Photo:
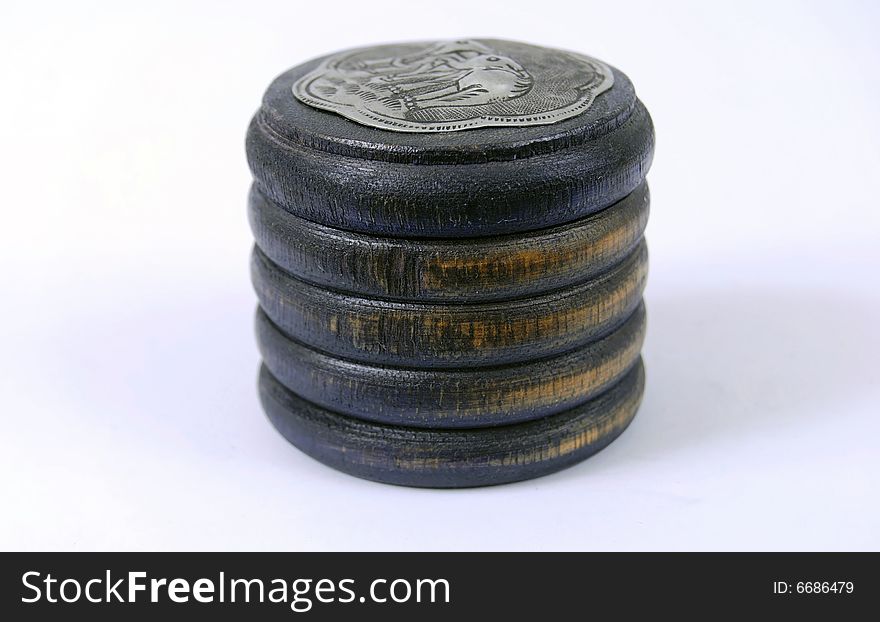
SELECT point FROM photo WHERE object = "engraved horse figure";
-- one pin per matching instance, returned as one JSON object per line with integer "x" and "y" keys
{"x": 450, "y": 74}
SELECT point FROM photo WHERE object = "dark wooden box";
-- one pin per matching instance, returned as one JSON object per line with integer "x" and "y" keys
{"x": 449, "y": 258}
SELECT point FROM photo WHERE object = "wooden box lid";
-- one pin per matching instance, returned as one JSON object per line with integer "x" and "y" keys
{"x": 461, "y": 138}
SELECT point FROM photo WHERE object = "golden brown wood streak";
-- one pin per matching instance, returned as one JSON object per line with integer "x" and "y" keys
{"x": 450, "y": 335}
{"x": 453, "y": 458}
{"x": 455, "y": 270}
{"x": 462, "y": 397}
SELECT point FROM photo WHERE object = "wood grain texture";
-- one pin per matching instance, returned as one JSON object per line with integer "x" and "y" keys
{"x": 453, "y": 458}
{"x": 445, "y": 334}
{"x": 453, "y": 200}
{"x": 448, "y": 398}
{"x": 469, "y": 270}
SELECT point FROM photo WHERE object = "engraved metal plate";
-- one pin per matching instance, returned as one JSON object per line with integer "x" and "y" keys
{"x": 454, "y": 85}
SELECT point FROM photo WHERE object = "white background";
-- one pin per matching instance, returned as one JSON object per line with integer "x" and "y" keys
{"x": 127, "y": 359}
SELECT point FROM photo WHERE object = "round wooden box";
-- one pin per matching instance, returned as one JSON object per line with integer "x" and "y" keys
{"x": 449, "y": 258}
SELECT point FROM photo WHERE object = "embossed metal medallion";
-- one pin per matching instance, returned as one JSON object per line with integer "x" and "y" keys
{"x": 455, "y": 85}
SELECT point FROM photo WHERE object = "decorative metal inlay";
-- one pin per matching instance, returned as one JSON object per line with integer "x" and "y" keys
{"x": 454, "y": 85}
